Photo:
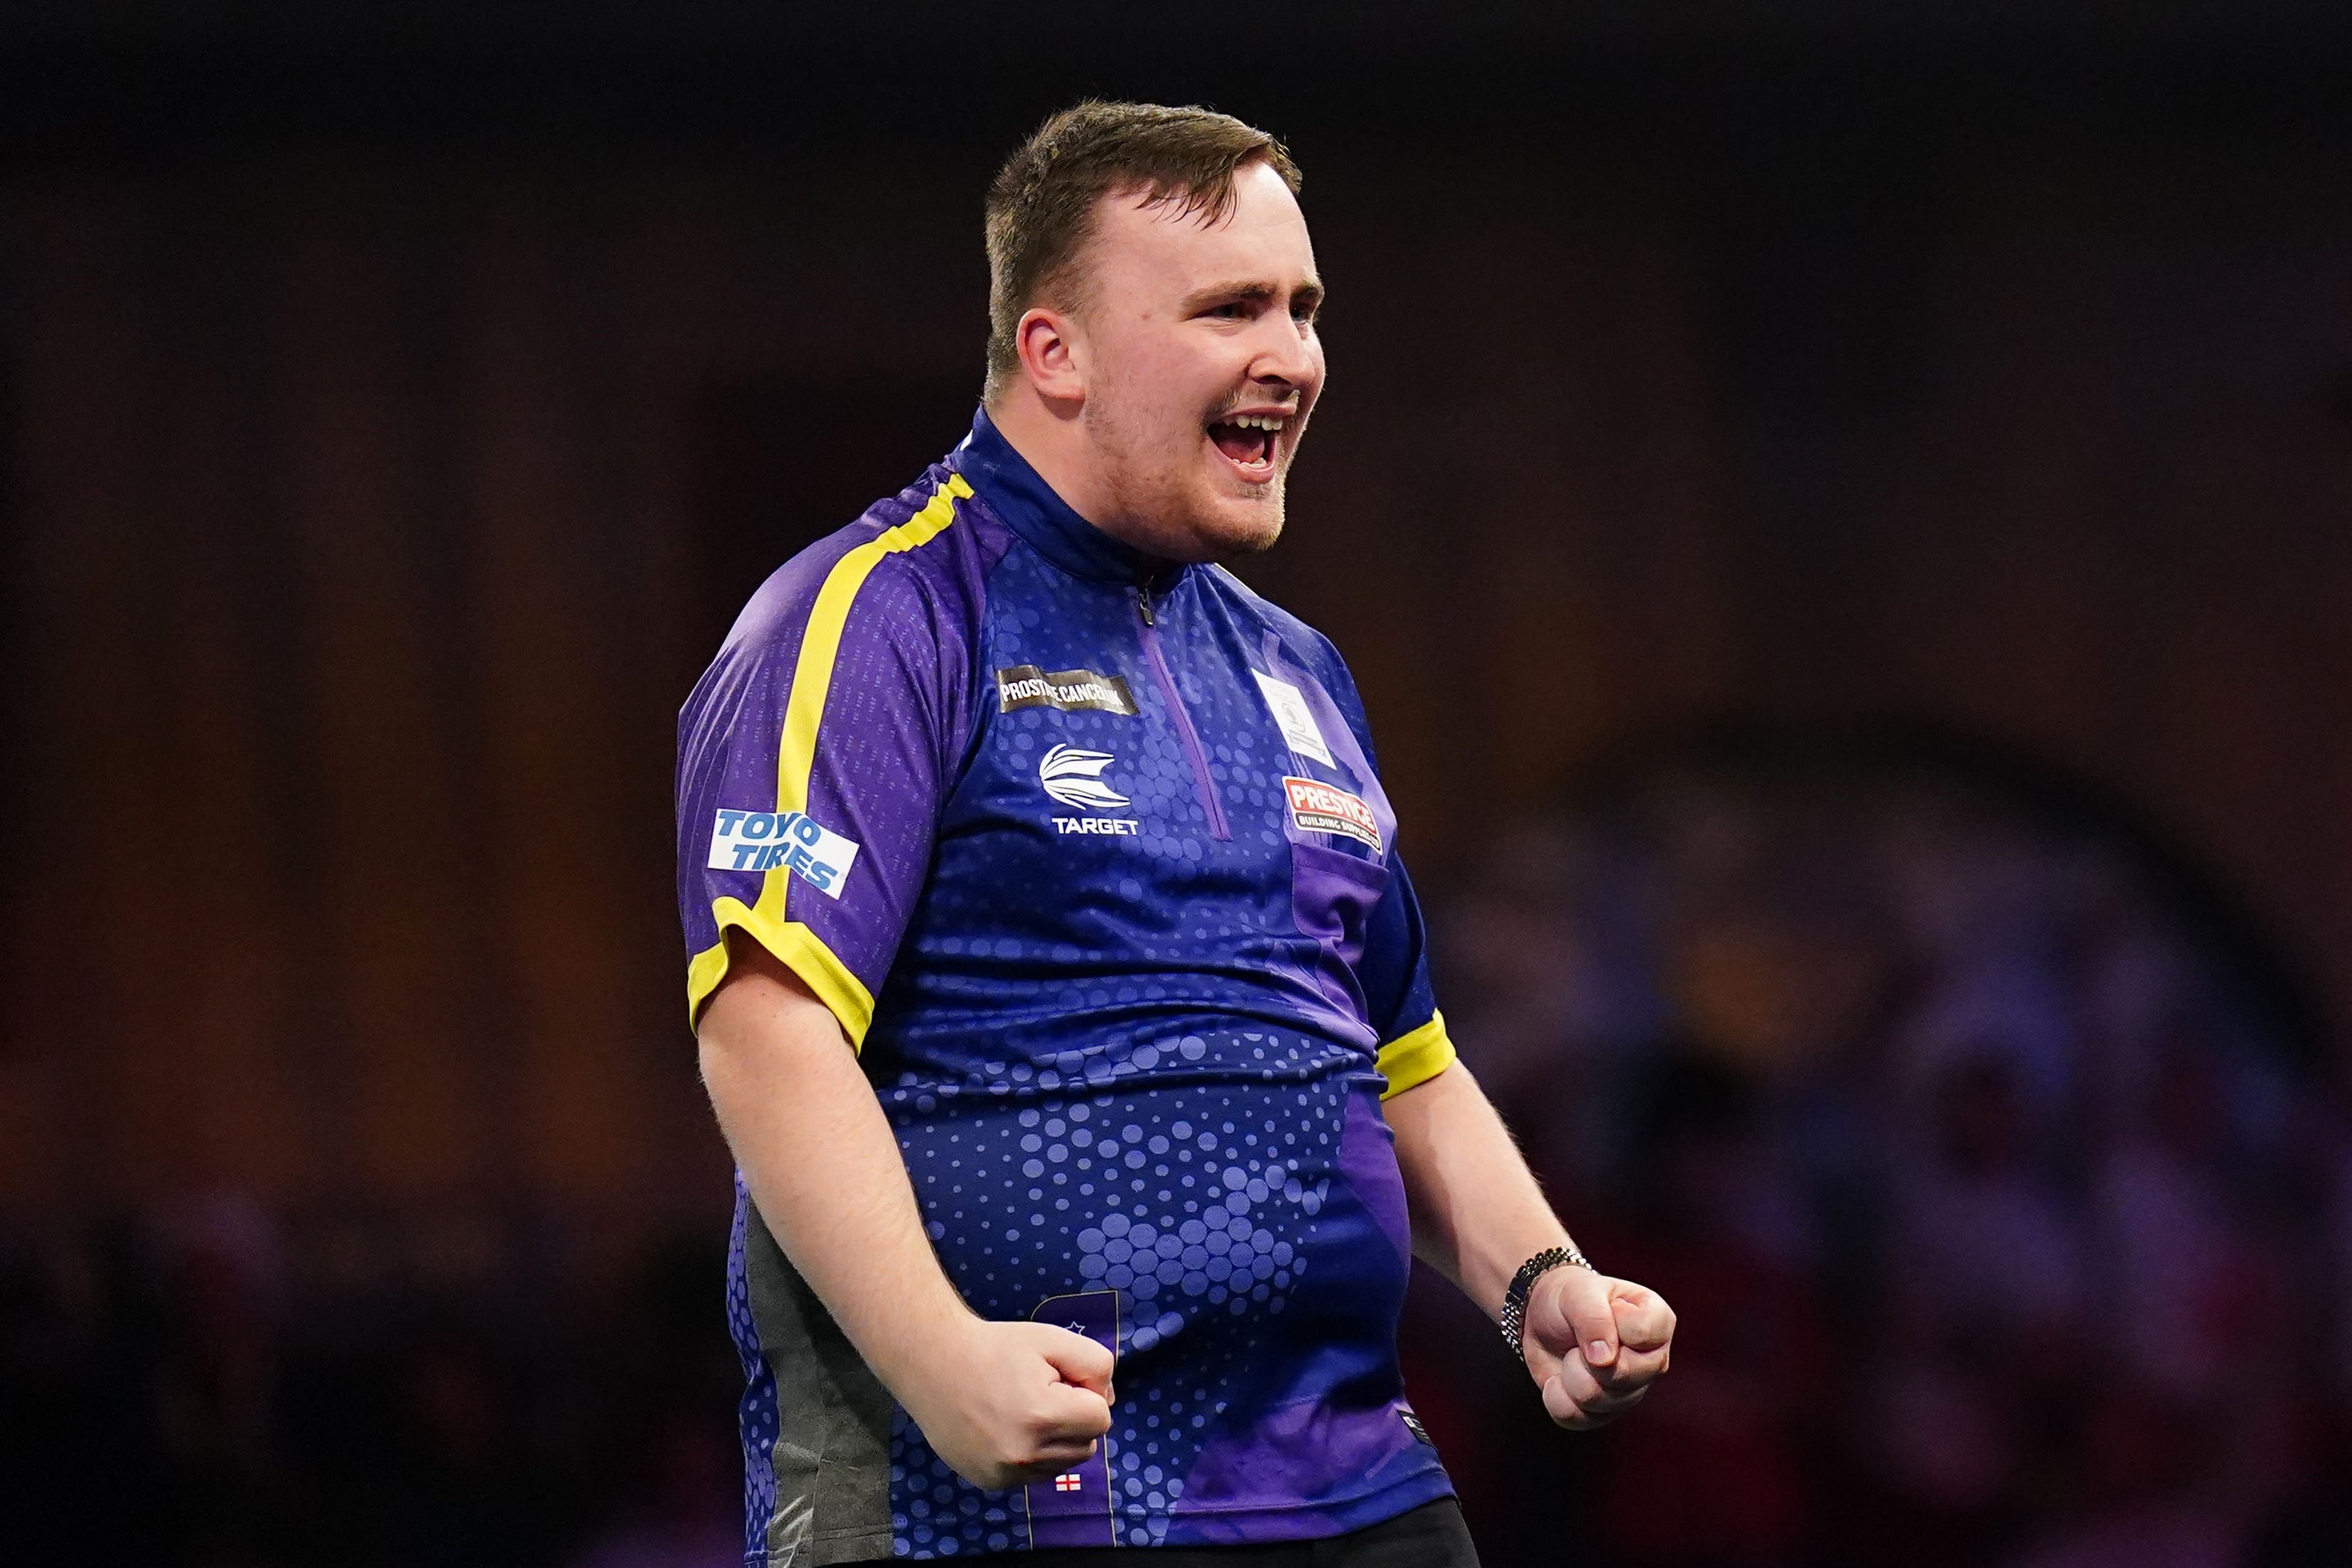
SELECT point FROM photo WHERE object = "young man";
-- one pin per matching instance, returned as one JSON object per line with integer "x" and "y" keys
{"x": 1059, "y": 988}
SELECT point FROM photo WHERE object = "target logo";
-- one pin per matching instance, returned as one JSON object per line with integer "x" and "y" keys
{"x": 1074, "y": 777}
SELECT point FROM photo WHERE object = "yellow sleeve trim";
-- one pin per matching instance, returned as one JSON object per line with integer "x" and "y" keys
{"x": 798, "y": 949}
{"x": 1412, "y": 1059}
{"x": 796, "y": 946}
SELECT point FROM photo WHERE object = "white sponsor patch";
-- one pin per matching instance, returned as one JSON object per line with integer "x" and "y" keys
{"x": 1074, "y": 777}
{"x": 1296, "y": 719}
{"x": 789, "y": 841}
{"x": 1321, "y": 808}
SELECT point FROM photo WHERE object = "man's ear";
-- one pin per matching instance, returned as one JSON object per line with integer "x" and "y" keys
{"x": 1052, "y": 357}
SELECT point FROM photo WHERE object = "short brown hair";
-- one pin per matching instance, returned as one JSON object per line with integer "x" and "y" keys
{"x": 1041, "y": 206}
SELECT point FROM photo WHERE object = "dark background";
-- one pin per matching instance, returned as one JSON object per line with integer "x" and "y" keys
{"x": 397, "y": 401}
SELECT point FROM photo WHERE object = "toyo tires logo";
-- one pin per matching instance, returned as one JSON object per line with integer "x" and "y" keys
{"x": 781, "y": 840}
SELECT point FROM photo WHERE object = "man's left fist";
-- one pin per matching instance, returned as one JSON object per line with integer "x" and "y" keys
{"x": 1594, "y": 1344}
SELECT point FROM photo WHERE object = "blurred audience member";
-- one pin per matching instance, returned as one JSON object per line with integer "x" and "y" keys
{"x": 685, "y": 1510}
{"x": 2188, "y": 1285}
{"x": 1749, "y": 1387}
{"x": 222, "y": 1271}
{"x": 1987, "y": 1248}
{"x": 2144, "y": 1496}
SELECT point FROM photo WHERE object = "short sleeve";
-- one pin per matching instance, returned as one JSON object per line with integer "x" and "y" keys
{"x": 812, "y": 757}
{"x": 1394, "y": 975}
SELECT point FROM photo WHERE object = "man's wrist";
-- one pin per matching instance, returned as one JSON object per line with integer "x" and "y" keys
{"x": 911, "y": 1354}
{"x": 1515, "y": 1296}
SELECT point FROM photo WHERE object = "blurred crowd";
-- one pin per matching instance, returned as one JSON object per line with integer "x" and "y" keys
{"x": 216, "y": 1385}
{"x": 2004, "y": 1228}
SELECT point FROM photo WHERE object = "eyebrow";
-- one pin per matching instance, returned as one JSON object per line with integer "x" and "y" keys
{"x": 1309, "y": 290}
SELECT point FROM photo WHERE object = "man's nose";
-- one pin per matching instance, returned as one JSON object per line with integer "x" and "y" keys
{"x": 1288, "y": 354}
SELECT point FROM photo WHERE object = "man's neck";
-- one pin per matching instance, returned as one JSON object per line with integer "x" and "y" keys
{"x": 1054, "y": 444}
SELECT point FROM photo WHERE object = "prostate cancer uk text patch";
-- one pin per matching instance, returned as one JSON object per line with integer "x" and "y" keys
{"x": 1321, "y": 808}
{"x": 786, "y": 840}
{"x": 1027, "y": 686}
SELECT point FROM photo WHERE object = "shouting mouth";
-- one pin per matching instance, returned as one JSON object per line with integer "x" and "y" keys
{"x": 1248, "y": 441}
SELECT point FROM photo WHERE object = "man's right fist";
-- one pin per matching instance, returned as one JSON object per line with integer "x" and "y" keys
{"x": 1008, "y": 1403}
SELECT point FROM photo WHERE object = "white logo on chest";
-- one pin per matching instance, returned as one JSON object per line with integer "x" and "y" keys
{"x": 1288, "y": 706}
{"x": 1074, "y": 778}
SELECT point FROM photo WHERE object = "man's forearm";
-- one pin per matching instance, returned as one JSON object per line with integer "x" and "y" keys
{"x": 823, "y": 1164}
{"x": 1477, "y": 1214}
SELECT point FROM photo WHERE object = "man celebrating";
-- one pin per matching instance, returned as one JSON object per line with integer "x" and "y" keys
{"x": 1058, "y": 985}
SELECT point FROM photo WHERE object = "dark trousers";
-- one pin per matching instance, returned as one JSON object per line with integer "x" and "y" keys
{"x": 1430, "y": 1536}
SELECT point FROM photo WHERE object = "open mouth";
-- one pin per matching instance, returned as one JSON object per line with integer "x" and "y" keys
{"x": 1247, "y": 441}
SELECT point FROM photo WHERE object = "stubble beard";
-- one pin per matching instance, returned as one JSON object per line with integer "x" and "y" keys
{"x": 1157, "y": 495}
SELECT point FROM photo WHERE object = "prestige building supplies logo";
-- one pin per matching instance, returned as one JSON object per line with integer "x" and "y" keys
{"x": 1321, "y": 808}
{"x": 787, "y": 840}
{"x": 1027, "y": 686}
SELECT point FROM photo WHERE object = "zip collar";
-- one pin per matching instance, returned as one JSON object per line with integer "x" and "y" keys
{"x": 1027, "y": 505}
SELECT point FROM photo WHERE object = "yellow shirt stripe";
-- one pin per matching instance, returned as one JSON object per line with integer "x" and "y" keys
{"x": 1414, "y": 1058}
{"x": 797, "y": 947}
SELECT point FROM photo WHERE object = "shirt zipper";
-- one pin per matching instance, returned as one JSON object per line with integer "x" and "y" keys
{"x": 1206, "y": 787}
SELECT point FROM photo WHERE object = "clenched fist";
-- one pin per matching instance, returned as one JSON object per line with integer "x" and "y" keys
{"x": 1008, "y": 1403}
{"x": 1594, "y": 1344}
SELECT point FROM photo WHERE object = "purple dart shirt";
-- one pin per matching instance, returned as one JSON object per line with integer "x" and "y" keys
{"x": 1091, "y": 859}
